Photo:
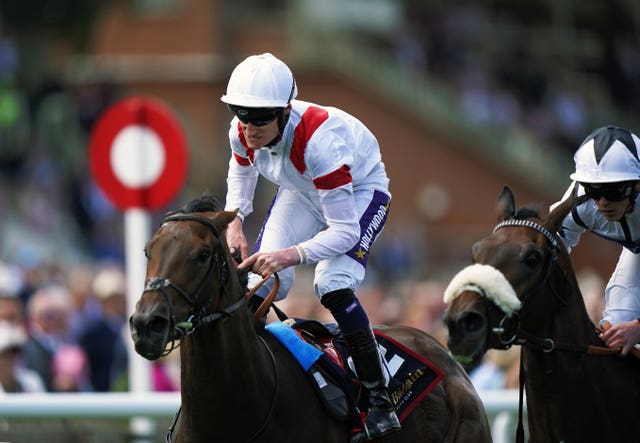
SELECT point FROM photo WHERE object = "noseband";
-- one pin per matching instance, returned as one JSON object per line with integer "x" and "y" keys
{"x": 197, "y": 316}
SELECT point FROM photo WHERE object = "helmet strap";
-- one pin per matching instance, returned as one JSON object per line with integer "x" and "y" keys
{"x": 632, "y": 202}
{"x": 632, "y": 198}
{"x": 282, "y": 118}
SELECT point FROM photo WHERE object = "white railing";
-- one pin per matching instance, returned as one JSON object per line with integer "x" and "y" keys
{"x": 501, "y": 407}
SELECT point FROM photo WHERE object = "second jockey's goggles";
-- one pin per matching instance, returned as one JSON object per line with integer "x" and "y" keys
{"x": 255, "y": 116}
{"x": 614, "y": 192}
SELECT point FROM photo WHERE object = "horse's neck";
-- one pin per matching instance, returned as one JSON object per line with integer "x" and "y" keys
{"x": 568, "y": 320}
{"x": 224, "y": 352}
{"x": 551, "y": 376}
{"x": 223, "y": 364}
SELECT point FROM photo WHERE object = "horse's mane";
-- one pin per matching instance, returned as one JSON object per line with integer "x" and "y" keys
{"x": 211, "y": 203}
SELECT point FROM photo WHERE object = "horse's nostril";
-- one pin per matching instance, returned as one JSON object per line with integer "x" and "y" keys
{"x": 142, "y": 324}
{"x": 157, "y": 325}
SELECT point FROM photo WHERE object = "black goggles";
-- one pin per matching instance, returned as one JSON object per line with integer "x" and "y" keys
{"x": 255, "y": 116}
{"x": 612, "y": 192}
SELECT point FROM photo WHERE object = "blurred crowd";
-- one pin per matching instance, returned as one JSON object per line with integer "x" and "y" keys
{"x": 555, "y": 69}
{"x": 66, "y": 331}
{"x": 62, "y": 299}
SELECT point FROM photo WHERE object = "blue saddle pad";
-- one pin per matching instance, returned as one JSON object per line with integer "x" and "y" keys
{"x": 305, "y": 353}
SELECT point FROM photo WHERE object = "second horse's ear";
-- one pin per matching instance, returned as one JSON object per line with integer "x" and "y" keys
{"x": 506, "y": 204}
{"x": 556, "y": 217}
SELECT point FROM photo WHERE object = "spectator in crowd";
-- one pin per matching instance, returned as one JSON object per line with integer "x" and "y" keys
{"x": 48, "y": 312}
{"x": 103, "y": 340}
{"x": 86, "y": 307}
{"x": 14, "y": 377}
{"x": 11, "y": 306}
{"x": 498, "y": 369}
{"x": 70, "y": 370}
{"x": 165, "y": 373}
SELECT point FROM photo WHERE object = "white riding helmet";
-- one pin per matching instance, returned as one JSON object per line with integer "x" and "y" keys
{"x": 261, "y": 81}
{"x": 608, "y": 155}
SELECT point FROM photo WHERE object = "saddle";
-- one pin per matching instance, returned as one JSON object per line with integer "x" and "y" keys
{"x": 316, "y": 348}
{"x": 322, "y": 352}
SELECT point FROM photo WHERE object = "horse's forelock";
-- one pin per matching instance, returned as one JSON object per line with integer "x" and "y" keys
{"x": 205, "y": 203}
{"x": 527, "y": 212}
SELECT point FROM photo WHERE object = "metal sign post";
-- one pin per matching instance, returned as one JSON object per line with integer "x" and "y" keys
{"x": 138, "y": 157}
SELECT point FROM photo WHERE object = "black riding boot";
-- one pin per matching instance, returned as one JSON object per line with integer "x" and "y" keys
{"x": 381, "y": 417}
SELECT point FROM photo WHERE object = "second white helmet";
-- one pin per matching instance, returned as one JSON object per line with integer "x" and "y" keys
{"x": 609, "y": 154}
{"x": 261, "y": 81}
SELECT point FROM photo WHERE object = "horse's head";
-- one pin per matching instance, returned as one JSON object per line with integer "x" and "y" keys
{"x": 505, "y": 289}
{"x": 188, "y": 276}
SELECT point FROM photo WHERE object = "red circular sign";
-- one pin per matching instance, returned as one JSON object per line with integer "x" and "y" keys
{"x": 151, "y": 123}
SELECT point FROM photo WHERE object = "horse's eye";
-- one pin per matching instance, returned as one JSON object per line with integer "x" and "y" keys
{"x": 533, "y": 259}
{"x": 203, "y": 255}
{"x": 146, "y": 254}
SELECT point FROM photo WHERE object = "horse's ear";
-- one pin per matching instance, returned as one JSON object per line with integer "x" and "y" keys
{"x": 223, "y": 218}
{"x": 506, "y": 204}
{"x": 557, "y": 214}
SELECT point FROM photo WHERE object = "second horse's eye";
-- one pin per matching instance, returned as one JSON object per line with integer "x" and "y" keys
{"x": 533, "y": 259}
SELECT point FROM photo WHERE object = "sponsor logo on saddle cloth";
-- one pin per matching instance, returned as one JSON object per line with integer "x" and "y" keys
{"x": 323, "y": 357}
{"x": 411, "y": 375}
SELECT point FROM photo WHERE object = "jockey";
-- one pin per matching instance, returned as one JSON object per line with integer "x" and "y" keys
{"x": 331, "y": 204}
{"x": 605, "y": 189}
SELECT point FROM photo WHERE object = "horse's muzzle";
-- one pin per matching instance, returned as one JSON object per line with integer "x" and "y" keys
{"x": 466, "y": 335}
{"x": 150, "y": 333}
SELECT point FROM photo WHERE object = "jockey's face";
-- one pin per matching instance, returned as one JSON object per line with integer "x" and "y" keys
{"x": 259, "y": 125}
{"x": 613, "y": 200}
{"x": 612, "y": 211}
{"x": 258, "y": 136}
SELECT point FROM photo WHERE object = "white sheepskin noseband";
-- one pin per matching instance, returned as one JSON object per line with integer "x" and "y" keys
{"x": 486, "y": 281}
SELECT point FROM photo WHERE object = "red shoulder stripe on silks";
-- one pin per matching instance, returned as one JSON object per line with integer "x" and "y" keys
{"x": 241, "y": 160}
{"x": 312, "y": 118}
{"x": 334, "y": 179}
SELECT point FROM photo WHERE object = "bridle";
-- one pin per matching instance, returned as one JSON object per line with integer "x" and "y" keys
{"x": 518, "y": 334}
{"x": 511, "y": 323}
{"x": 198, "y": 315}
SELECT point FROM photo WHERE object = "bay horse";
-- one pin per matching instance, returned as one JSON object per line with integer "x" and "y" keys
{"x": 522, "y": 290}
{"x": 238, "y": 383}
